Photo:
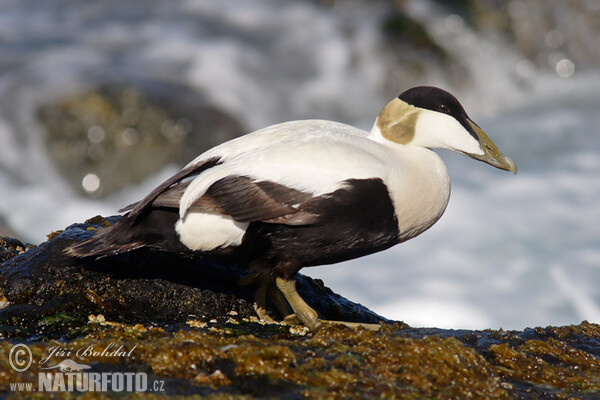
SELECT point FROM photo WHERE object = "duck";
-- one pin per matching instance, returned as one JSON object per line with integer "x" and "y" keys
{"x": 306, "y": 193}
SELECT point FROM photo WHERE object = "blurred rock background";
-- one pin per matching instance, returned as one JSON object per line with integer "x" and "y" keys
{"x": 134, "y": 103}
{"x": 118, "y": 134}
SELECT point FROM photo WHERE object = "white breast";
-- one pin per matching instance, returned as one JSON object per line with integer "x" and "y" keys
{"x": 420, "y": 190}
{"x": 418, "y": 183}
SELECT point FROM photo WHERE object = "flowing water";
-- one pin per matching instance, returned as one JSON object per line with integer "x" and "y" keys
{"x": 510, "y": 251}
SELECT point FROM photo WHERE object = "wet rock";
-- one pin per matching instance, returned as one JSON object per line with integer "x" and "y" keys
{"x": 10, "y": 247}
{"x": 121, "y": 133}
{"x": 188, "y": 326}
{"x": 139, "y": 287}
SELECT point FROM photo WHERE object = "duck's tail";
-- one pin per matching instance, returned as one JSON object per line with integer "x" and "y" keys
{"x": 106, "y": 242}
{"x": 155, "y": 230}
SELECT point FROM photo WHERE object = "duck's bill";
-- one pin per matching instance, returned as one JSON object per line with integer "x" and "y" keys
{"x": 491, "y": 155}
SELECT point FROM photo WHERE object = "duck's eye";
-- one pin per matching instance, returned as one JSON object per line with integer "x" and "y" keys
{"x": 444, "y": 108}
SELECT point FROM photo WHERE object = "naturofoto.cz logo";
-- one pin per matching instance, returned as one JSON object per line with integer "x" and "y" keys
{"x": 59, "y": 372}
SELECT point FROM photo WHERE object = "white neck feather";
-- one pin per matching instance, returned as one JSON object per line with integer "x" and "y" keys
{"x": 418, "y": 183}
{"x": 376, "y": 135}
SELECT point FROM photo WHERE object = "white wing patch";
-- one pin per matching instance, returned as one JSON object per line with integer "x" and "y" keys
{"x": 205, "y": 232}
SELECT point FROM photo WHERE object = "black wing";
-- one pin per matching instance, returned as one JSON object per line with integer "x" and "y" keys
{"x": 169, "y": 188}
{"x": 246, "y": 200}
{"x": 149, "y": 223}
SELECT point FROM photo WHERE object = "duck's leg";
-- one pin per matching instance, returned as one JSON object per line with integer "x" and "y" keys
{"x": 303, "y": 311}
{"x": 260, "y": 300}
{"x": 305, "y": 314}
{"x": 278, "y": 300}
{"x": 266, "y": 290}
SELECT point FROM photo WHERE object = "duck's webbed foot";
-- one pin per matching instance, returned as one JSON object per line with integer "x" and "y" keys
{"x": 305, "y": 313}
{"x": 266, "y": 289}
{"x": 281, "y": 292}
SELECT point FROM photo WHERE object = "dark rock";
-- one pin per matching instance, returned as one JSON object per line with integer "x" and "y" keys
{"x": 145, "y": 286}
{"x": 187, "y": 325}
{"x": 10, "y": 247}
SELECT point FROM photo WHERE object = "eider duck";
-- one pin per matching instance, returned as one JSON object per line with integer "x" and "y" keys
{"x": 306, "y": 193}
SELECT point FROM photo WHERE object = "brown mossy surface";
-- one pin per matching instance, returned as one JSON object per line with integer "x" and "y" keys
{"x": 199, "y": 339}
{"x": 244, "y": 359}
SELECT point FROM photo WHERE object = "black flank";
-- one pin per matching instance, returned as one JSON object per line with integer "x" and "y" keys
{"x": 354, "y": 221}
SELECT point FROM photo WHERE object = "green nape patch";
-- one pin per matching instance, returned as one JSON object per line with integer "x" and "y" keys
{"x": 239, "y": 358}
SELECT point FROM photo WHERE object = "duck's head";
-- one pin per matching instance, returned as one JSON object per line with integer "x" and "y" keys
{"x": 430, "y": 117}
